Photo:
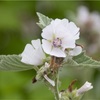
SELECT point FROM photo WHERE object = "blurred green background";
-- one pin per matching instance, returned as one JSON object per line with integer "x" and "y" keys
{"x": 17, "y": 28}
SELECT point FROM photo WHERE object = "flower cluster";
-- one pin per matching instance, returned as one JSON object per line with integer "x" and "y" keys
{"x": 59, "y": 40}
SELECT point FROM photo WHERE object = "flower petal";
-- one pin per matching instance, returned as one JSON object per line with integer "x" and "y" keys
{"x": 36, "y": 43}
{"x": 55, "y": 23}
{"x": 48, "y": 32}
{"x": 77, "y": 36}
{"x": 47, "y": 46}
{"x": 58, "y": 22}
{"x": 27, "y": 54}
{"x": 76, "y": 51}
{"x": 73, "y": 28}
{"x": 65, "y": 22}
{"x": 38, "y": 57}
{"x": 57, "y": 52}
{"x": 68, "y": 43}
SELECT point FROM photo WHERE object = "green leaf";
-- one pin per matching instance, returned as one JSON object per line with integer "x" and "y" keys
{"x": 82, "y": 60}
{"x": 13, "y": 63}
{"x": 43, "y": 20}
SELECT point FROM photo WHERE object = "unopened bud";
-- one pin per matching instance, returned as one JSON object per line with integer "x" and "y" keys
{"x": 86, "y": 87}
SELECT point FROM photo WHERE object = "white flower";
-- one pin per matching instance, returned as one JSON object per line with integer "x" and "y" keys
{"x": 86, "y": 87}
{"x": 88, "y": 20}
{"x": 58, "y": 36}
{"x": 76, "y": 51}
{"x": 33, "y": 53}
{"x": 49, "y": 80}
{"x": 95, "y": 18}
{"x": 83, "y": 15}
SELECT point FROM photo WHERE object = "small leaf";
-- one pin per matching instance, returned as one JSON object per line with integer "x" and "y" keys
{"x": 82, "y": 60}
{"x": 13, "y": 63}
{"x": 43, "y": 20}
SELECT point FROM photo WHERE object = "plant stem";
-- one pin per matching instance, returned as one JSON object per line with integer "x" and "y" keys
{"x": 56, "y": 86}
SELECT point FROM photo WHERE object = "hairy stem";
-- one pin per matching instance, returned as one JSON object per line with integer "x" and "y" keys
{"x": 56, "y": 88}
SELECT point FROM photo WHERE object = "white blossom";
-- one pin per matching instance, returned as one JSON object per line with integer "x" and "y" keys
{"x": 89, "y": 20}
{"x": 95, "y": 18}
{"x": 59, "y": 35}
{"x": 82, "y": 15}
{"x": 33, "y": 53}
{"x": 86, "y": 87}
{"x": 76, "y": 51}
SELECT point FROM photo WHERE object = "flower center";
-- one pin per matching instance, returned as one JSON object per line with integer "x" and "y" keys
{"x": 57, "y": 42}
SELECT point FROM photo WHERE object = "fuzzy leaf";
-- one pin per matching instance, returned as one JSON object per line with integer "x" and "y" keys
{"x": 43, "y": 20}
{"x": 82, "y": 60}
{"x": 13, "y": 63}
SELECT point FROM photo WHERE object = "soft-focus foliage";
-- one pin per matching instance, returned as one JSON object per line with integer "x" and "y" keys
{"x": 17, "y": 28}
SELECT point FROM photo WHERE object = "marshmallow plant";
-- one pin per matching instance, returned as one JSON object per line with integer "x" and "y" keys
{"x": 47, "y": 56}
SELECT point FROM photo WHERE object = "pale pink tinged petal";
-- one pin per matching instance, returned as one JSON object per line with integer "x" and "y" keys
{"x": 68, "y": 43}
{"x": 48, "y": 32}
{"x": 27, "y": 54}
{"x": 73, "y": 28}
{"x": 58, "y": 52}
{"x": 36, "y": 43}
{"x": 76, "y": 51}
{"x": 47, "y": 46}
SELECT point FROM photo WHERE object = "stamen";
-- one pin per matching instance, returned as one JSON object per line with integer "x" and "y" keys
{"x": 57, "y": 42}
